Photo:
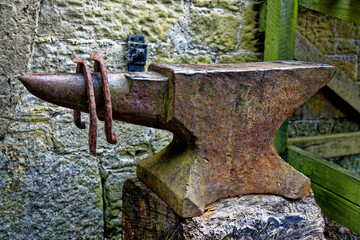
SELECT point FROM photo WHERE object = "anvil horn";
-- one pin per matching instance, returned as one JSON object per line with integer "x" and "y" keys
{"x": 144, "y": 105}
{"x": 223, "y": 118}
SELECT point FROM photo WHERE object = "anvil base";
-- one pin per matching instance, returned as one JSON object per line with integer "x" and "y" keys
{"x": 183, "y": 180}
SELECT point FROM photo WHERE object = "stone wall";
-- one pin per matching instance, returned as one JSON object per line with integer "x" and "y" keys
{"x": 336, "y": 38}
{"x": 50, "y": 187}
{"x": 339, "y": 40}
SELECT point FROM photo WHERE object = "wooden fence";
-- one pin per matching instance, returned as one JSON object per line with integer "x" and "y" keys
{"x": 337, "y": 190}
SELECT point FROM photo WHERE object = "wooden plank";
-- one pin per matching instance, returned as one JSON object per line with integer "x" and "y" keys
{"x": 334, "y": 145}
{"x": 262, "y": 17}
{"x": 280, "y": 140}
{"x": 348, "y": 10}
{"x": 339, "y": 209}
{"x": 326, "y": 174}
{"x": 340, "y": 84}
{"x": 281, "y": 16}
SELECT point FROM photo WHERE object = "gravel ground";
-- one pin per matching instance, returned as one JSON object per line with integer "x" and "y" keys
{"x": 335, "y": 231}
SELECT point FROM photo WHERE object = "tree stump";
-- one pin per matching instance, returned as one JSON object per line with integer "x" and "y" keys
{"x": 146, "y": 216}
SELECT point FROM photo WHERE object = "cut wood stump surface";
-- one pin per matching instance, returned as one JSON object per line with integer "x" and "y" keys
{"x": 146, "y": 216}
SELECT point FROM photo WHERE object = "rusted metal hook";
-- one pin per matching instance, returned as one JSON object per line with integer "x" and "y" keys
{"x": 77, "y": 114}
{"x": 99, "y": 66}
{"x": 92, "y": 105}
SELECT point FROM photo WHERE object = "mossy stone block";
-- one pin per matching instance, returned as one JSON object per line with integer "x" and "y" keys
{"x": 318, "y": 29}
{"x": 233, "y": 5}
{"x": 216, "y": 30}
{"x": 347, "y": 29}
{"x": 348, "y": 65}
{"x": 346, "y": 46}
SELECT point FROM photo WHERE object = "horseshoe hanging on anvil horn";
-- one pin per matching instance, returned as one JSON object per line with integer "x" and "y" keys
{"x": 99, "y": 66}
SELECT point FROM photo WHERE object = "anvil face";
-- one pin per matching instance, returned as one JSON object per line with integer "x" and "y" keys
{"x": 223, "y": 118}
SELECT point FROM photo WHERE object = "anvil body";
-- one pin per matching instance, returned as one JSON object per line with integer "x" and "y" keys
{"x": 223, "y": 118}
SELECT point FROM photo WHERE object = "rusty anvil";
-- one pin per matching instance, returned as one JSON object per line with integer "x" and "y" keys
{"x": 223, "y": 118}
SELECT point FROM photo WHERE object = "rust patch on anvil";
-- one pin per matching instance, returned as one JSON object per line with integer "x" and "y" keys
{"x": 209, "y": 210}
{"x": 223, "y": 118}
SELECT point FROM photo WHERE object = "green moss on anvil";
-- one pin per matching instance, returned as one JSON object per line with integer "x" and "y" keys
{"x": 216, "y": 30}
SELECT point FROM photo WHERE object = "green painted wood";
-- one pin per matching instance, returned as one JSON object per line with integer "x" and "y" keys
{"x": 348, "y": 10}
{"x": 326, "y": 174}
{"x": 338, "y": 208}
{"x": 281, "y": 16}
{"x": 262, "y": 17}
{"x": 340, "y": 84}
{"x": 334, "y": 145}
{"x": 280, "y": 140}
{"x": 280, "y": 29}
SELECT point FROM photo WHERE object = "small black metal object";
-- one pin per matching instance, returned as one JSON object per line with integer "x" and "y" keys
{"x": 137, "y": 49}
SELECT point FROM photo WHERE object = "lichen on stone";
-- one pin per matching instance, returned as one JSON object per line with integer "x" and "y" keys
{"x": 216, "y": 30}
{"x": 240, "y": 58}
{"x": 233, "y": 5}
{"x": 318, "y": 29}
{"x": 251, "y": 38}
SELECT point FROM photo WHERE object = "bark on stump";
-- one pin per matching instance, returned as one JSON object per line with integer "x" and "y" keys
{"x": 146, "y": 216}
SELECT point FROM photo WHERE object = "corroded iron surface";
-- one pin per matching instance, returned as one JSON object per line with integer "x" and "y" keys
{"x": 92, "y": 104}
{"x": 223, "y": 118}
{"x": 77, "y": 114}
{"x": 99, "y": 66}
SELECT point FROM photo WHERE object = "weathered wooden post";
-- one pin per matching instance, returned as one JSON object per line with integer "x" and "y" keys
{"x": 223, "y": 118}
{"x": 280, "y": 28}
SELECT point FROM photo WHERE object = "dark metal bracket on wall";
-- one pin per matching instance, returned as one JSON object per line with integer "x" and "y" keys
{"x": 137, "y": 49}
